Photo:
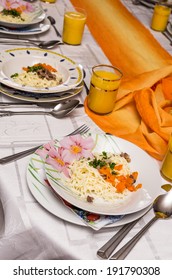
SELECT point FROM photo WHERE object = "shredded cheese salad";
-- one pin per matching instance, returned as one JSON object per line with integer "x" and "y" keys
{"x": 106, "y": 176}
{"x": 39, "y": 75}
{"x": 90, "y": 175}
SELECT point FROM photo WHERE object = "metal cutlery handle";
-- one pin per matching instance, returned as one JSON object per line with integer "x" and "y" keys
{"x": 106, "y": 250}
{"x": 82, "y": 129}
{"x": 7, "y": 104}
{"x": 167, "y": 35}
{"x": 13, "y": 42}
{"x": 18, "y": 155}
{"x": 11, "y": 113}
{"x": 20, "y": 40}
{"x": 57, "y": 32}
{"x": 124, "y": 251}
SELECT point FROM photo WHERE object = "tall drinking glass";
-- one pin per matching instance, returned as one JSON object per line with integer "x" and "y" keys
{"x": 73, "y": 26}
{"x": 166, "y": 169}
{"x": 104, "y": 84}
{"x": 160, "y": 17}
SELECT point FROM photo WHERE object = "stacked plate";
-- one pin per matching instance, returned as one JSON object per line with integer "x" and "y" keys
{"x": 14, "y": 60}
{"x": 48, "y": 184}
{"x": 36, "y": 23}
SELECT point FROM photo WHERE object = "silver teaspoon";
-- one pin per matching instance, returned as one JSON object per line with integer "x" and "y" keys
{"x": 162, "y": 207}
{"x": 59, "y": 111}
{"x": 53, "y": 22}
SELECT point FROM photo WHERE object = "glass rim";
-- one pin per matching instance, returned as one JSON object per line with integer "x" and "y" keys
{"x": 76, "y": 9}
{"x": 108, "y": 66}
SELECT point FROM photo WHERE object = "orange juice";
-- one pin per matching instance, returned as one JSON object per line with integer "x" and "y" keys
{"x": 160, "y": 17}
{"x": 49, "y": 1}
{"x": 73, "y": 27}
{"x": 103, "y": 89}
{"x": 166, "y": 169}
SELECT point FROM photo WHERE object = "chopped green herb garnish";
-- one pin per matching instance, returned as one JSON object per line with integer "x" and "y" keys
{"x": 12, "y": 12}
{"x": 14, "y": 75}
{"x": 104, "y": 154}
{"x": 112, "y": 165}
{"x": 34, "y": 68}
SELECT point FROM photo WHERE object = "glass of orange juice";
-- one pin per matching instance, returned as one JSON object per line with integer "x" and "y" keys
{"x": 166, "y": 168}
{"x": 104, "y": 84}
{"x": 160, "y": 17}
{"x": 73, "y": 26}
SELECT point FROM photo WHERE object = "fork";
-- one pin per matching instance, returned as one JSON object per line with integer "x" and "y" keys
{"x": 81, "y": 130}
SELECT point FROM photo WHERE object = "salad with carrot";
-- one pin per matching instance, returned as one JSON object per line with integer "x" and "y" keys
{"x": 114, "y": 173}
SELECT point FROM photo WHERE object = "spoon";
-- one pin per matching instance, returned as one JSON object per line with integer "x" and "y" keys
{"x": 59, "y": 111}
{"x": 42, "y": 44}
{"x": 53, "y": 22}
{"x": 162, "y": 207}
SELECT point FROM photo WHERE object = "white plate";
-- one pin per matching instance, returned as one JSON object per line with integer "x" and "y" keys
{"x": 38, "y": 98}
{"x": 42, "y": 193}
{"x": 36, "y": 16}
{"x": 12, "y": 61}
{"x": 149, "y": 177}
{"x": 32, "y": 30}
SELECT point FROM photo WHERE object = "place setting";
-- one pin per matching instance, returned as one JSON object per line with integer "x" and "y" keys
{"x": 37, "y": 74}
{"x": 28, "y": 19}
{"x": 78, "y": 191}
{"x": 23, "y": 18}
{"x": 65, "y": 78}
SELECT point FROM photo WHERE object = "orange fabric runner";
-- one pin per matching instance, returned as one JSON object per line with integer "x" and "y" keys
{"x": 143, "y": 109}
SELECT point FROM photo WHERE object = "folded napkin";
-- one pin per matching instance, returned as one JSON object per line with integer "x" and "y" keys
{"x": 143, "y": 109}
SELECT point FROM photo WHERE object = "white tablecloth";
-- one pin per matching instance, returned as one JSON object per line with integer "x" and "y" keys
{"x": 30, "y": 231}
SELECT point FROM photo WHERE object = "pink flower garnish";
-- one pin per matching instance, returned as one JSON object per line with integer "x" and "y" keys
{"x": 76, "y": 147}
{"x": 71, "y": 148}
{"x": 56, "y": 159}
{"x": 43, "y": 151}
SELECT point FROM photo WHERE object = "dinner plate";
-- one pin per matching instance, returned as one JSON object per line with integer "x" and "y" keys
{"x": 34, "y": 97}
{"x": 39, "y": 188}
{"x": 147, "y": 168}
{"x": 12, "y": 61}
{"x": 31, "y": 30}
{"x": 36, "y": 16}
